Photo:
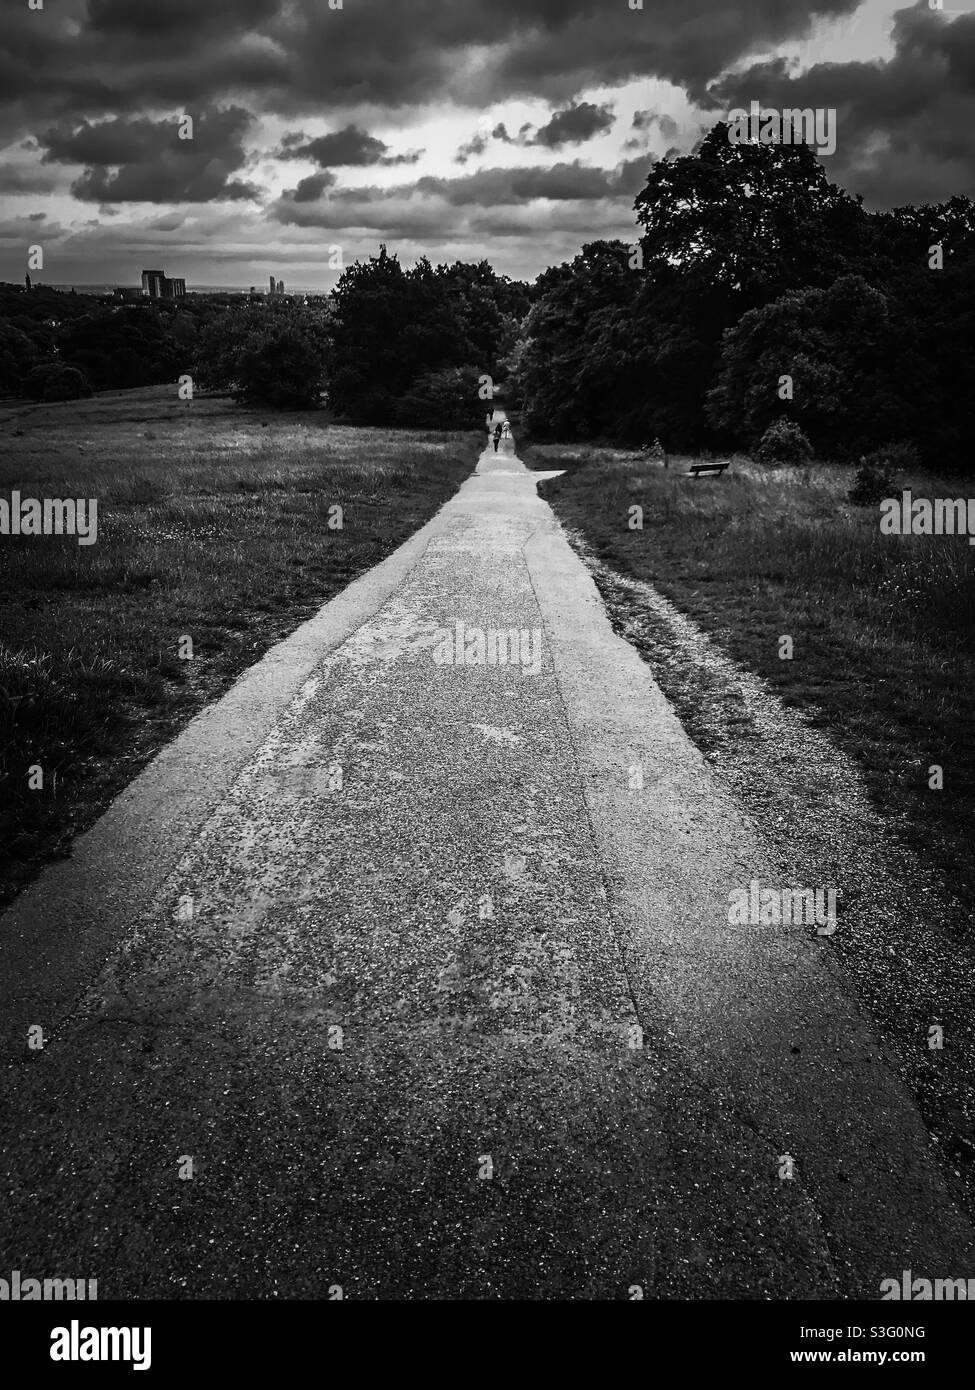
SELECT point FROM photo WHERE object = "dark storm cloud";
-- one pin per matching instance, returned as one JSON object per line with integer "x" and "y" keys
{"x": 574, "y": 125}
{"x": 561, "y": 182}
{"x": 479, "y": 143}
{"x": 601, "y": 42}
{"x": 309, "y": 190}
{"x": 349, "y": 147}
{"x": 905, "y": 127}
{"x": 145, "y": 160}
{"x": 422, "y": 203}
{"x": 125, "y": 55}
{"x": 101, "y": 77}
{"x": 177, "y": 16}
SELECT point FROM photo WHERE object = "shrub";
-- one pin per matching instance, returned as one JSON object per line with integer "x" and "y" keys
{"x": 876, "y": 478}
{"x": 783, "y": 442}
{"x": 53, "y": 381}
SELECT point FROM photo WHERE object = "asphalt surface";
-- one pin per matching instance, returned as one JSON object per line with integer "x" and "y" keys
{"x": 395, "y": 956}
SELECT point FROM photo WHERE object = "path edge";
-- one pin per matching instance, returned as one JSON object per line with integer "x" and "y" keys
{"x": 63, "y": 925}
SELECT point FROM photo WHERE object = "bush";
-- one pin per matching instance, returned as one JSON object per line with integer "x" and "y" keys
{"x": 444, "y": 400}
{"x": 53, "y": 381}
{"x": 876, "y": 478}
{"x": 783, "y": 442}
{"x": 654, "y": 453}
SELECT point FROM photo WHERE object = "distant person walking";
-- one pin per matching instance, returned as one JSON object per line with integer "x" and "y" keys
{"x": 497, "y": 436}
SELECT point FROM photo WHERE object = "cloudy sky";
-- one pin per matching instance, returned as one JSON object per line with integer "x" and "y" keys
{"x": 508, "y": 129}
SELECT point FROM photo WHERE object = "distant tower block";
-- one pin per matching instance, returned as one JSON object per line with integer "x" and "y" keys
{"x": 152, "y": 283}
{"x": 271, "y": 290}
{"x": 27, "y": 281}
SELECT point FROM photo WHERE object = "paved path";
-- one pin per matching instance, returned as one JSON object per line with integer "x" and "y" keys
{"x": 437, "y": 1001}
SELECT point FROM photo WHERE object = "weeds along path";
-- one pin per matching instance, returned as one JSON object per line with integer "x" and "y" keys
{"x": 408, "y": 968}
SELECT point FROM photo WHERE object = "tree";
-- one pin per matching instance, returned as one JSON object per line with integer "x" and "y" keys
{"x": 821, "y": 357}
{"x": 575, "y": 344}
{"x": 391, "y": 327}
{"x": 444, "y": 400}
{"x": 17, "y": 356}
{"x": 265, "y": 355}
{"x": 756, "y": 219}
{"x": 120, "y": 348}
{"x": 370, "y": 365}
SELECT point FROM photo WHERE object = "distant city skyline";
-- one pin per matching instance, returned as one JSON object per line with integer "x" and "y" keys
{"x": 306, "y": 137}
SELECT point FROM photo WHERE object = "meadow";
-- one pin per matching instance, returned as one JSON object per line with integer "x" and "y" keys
{"x": 882, "y": 627}
{"x": 213, "y": 523}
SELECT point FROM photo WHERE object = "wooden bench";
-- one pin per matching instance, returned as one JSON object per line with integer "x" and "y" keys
{"x": 696, "y": 469}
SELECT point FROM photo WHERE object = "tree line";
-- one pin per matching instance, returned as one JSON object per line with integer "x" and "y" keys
{"x": 390, "y": 346}
{"x": 755, "y": 297}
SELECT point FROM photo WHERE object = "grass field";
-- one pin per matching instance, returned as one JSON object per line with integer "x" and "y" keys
{"x": 212, "y": 524}
{"x": 882, "y": 626}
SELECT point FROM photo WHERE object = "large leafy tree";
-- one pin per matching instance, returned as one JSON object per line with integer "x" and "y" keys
{"x": 269, "y": 354}
{"x": 754, "y": 219}
{"x": 724, "y": 231}
{"x": 835, "y": 346}
{"x": 629, "y": 350}
{"x": 391, "y": 326}
{"x": 368, "y": 366}
{"x": 576, "y": 342}
{"x": 489, "y": 310}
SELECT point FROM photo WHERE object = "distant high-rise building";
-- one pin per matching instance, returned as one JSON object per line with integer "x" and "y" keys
{"x": 280, "y": 287}
{"x": 272, "y": 289}
{"x": 157, "y": 285}
{"x": 27, "y": 281}
{"x": 152, "y": 283}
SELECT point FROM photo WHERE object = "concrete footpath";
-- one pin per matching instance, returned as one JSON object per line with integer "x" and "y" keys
{"x": 389, "y": 975}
